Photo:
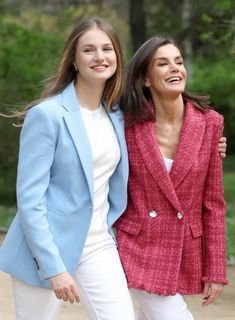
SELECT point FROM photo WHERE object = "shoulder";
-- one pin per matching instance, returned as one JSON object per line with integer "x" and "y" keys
{"x": 213, "y": 118}
{"x": 48, "y": 111}
{"x": 210, "y": 116}
{"x": 49, "y": 106}
{"x": 44, "y": 116}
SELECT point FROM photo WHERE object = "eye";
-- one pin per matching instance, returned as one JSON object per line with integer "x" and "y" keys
{"x": 88, "y": 50}
{"x": 180, "y": 62}
{"x": 108, "y": 49}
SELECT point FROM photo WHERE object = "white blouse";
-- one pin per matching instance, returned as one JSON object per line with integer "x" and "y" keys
{"x": 105, "y": 155}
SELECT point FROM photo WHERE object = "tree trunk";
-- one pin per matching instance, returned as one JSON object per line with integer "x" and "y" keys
{"x": 137, "y": 23}
{"x": 187, "y": 40}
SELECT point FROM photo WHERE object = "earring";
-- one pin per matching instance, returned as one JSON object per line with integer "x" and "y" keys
{"x": 75, "y": 67}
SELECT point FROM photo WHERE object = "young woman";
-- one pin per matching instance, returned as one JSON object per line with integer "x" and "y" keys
{"x": 71, "y": 186}
{"x": 171, "y": 237}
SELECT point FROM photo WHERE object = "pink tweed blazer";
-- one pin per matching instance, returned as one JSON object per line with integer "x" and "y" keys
{"x": 171, "y": 238}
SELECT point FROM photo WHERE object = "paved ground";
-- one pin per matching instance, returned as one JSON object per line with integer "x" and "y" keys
{"x": 223, "y": 309}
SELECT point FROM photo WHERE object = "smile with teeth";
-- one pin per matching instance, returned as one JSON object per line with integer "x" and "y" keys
{"x": 173, "y": 79}
{"x": 99, "y": 68}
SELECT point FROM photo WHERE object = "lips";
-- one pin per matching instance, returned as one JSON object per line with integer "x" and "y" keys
{"x": 173, "y": 79}
{"x": 99, "y": 67}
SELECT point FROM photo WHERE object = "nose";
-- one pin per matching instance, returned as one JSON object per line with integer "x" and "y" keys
{"x": 174, "y": 67}
{"x": 99, "y": 56}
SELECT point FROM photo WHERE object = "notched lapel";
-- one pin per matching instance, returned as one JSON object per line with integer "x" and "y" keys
{"x": 118, "y": 123}
{"x": 189, "y": 144}
{"x": 151, "y": 155}
{"x": 74, "y": 123}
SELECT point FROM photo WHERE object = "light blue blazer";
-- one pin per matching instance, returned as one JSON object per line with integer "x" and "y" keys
{"x": 55, "y": 191}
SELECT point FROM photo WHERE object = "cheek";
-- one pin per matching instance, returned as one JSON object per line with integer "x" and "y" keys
{"x": 115, "y": 60}
{"x": 184, "y": 72}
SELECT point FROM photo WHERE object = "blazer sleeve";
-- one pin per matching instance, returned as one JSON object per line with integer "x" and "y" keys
{"x": 37, "y": 146}
{"x": 214, "y": 208}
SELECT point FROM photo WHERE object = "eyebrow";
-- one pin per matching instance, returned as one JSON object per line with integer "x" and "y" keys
{"x": 164, "y": 58}
{"x": 94, "y": 45}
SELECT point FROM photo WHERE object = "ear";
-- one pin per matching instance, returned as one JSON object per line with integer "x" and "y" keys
{"x": 146, "y": 82}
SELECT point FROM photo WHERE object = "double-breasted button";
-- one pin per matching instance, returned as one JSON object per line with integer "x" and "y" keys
{"x": 152, "y": 214}
{"x": 179, "y": 216}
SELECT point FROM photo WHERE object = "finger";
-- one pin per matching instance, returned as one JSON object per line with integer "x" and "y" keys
{"x": 207, "y": 301}
{"x": 206, "y": 290}
{"x": 58, "y": 294}
{"x": 215, "y": 291}
{"x": 64, "y": 294}
{"x": 223, "y": 139}
{"x": 70, "y": 297}
{"x": 210, "y": 299}
{"x": 75, "y": 293}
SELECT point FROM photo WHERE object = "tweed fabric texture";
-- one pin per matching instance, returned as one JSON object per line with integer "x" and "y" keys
{"x": 171, "y": 238}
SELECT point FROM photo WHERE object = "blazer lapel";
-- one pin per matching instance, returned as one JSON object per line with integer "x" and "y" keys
{"x": 189, "y": 145}
{"x": 190, "y": 141}
{"x": 151, "y": 155}
{"x": 74, "y": 122}
{"x": 117, "y": 120}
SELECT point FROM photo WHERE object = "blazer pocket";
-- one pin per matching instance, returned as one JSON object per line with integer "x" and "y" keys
{"x": 129, "y": 226}
{"x": 196, "y": 229}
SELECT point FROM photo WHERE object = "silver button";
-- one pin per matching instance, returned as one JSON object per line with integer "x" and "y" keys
{"x": 179, "y": 215}
{"x": 152, "y": 214}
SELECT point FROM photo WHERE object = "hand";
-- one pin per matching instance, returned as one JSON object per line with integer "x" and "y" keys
{"x": 211, "y": 292}
{"x": 64, "y": 287}
{"x": 222, "y": 147}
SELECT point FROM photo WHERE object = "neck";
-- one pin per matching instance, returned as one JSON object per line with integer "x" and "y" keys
{"x": 169, "y": 110}
{"x": 89, "y": 96}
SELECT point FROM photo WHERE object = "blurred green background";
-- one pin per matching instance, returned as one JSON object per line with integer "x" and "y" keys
{"x": 32, "y": 35}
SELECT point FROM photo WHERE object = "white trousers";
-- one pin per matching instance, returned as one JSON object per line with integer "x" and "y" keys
{"x": 158, "y": 307}
{"x": 101, "y": 284}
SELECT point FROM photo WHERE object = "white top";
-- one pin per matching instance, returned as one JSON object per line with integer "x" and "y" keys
{"x": 168, "y": 163}
{"x": 105, "y": 155}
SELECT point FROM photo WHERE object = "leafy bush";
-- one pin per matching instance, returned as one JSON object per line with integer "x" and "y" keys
{"x": 216, "y": 78}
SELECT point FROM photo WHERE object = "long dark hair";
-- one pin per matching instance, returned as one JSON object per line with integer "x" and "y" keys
{"x": 66, "y": 72}
{"x": 136, "y": 96}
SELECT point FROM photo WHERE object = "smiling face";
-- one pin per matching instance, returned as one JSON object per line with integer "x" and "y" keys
{"x": 166, "y": 75}
{"x": 95, "y": 57}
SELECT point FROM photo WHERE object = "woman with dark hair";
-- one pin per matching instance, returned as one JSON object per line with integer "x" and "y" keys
{"x": 70, "y": 187}
{"x": 171, "y": 237}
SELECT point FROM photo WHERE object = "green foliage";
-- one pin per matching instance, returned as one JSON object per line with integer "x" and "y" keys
{"x": 229, "y": 189}
{"x": 216, "y": 78}
{"x": 26, "y": 56}
{"x": 6, "y": 216}
{"x": 229, "y": 165}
